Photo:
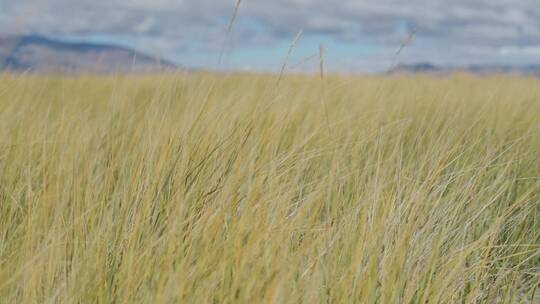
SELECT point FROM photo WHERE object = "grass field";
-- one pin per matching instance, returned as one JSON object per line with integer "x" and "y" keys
{"x": 202, "y": 188}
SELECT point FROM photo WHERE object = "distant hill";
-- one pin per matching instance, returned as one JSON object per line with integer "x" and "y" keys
{"x": 426, "y": 67}
{"x": 36, "y": 53}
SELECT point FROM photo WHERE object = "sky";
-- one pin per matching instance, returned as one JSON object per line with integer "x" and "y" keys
{"x": 357, "y": 35}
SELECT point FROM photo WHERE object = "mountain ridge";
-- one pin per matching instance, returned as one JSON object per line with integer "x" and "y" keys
{"x": 38, "y": 53}
{"x": 430, "y": 68}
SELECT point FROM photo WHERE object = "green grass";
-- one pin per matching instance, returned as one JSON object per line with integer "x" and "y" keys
{"x": 205, "y": 188}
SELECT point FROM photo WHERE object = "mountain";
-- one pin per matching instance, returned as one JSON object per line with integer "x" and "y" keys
{"x": 37, "y": 53}
{"x": 426, "y": 67}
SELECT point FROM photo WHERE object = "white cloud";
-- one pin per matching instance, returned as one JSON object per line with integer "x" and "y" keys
{"x": 533, "y": 50}
{"x": 458, "y": 28}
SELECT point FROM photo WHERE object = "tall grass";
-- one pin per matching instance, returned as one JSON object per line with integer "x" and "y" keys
{"x": 223, "y": 189}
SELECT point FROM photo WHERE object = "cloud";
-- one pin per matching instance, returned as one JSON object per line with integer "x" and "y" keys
{"x": 447, "y": 31}
{"x": 533, "y": 50}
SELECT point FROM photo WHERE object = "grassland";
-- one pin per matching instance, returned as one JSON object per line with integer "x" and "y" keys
{"x": 245, "y": 189}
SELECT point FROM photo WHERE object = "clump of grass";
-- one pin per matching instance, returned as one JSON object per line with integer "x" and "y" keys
{"x": 202, "y": 188}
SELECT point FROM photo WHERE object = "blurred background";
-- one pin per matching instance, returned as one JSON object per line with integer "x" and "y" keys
{"x": 358, "y": 36}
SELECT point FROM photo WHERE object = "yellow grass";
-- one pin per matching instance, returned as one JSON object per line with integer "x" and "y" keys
{"x": 242, "y": 189}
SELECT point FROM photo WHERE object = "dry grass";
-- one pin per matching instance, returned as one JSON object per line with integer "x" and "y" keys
{"x": 232, "y": 189}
